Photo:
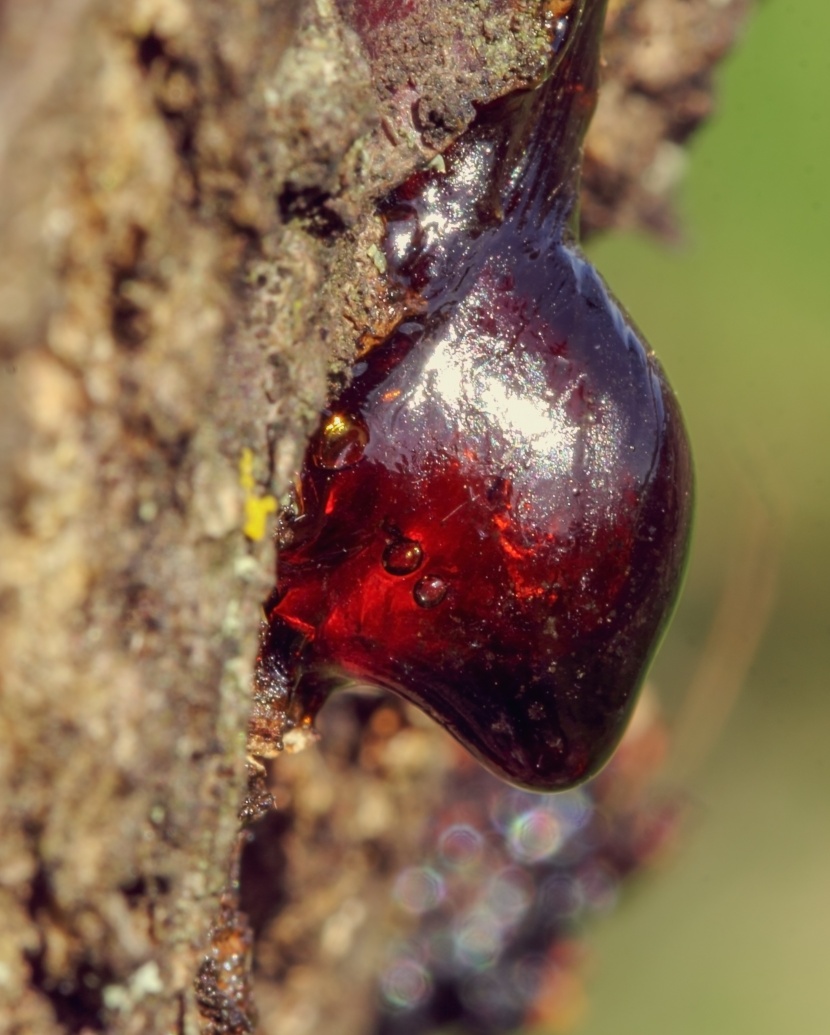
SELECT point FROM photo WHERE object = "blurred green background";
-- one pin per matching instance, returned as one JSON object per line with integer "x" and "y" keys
{"x": 734, "y": 936}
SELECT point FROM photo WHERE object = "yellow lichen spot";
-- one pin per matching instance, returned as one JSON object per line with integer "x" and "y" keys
{"x": 257, "y": 508}
{"x": 246, "y": 471}
{"x": 257, "y": 511}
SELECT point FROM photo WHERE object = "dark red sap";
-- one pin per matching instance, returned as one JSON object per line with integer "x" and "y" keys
{"x": 493, "y": 518}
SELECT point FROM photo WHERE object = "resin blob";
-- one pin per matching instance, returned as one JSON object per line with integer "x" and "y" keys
{"x": 492, "y": 519}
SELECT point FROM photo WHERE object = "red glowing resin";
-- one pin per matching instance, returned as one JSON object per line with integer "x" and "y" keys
{"x": 493, "y": 518}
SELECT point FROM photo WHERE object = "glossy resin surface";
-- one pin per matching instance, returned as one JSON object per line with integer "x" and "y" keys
{"x": 492, "y": 520}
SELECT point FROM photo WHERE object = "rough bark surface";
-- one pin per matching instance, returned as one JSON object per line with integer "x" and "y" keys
{"x": 187, "y": 220}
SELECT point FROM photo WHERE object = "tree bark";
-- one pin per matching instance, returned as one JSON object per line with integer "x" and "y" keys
{"x": 188, "y": 214}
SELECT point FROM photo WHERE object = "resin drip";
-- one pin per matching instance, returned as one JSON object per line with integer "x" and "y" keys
{"x": 492, "y": 520}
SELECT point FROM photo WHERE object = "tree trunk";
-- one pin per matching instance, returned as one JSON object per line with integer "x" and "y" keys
{"x": 188, "y": 215}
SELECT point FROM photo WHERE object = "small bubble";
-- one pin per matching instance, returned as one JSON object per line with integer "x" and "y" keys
{"x": 506, "y": 805}
{"x": 340, "y": 442}
{"x": 574, "y": 810}
{"x": 479, "y": 939}
{"x": 535, "y": 835}
{"x": 430, "y": 591}
{"x": 461, "y": 846}
{"x": 402, "y": 557}
{"x": 525, "y": 975}
{"x": 562, "y": 896}
{"x": 405, "y": 984}
{"x": 510, "y": 895}
{"x": 419, "y": 889}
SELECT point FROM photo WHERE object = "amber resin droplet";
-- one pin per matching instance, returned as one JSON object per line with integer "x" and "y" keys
{"x": 340, "y": 441}
{"x": 495, "y": 513}
{"x": 402, "y": 557}
{"x": 430, "y": 591}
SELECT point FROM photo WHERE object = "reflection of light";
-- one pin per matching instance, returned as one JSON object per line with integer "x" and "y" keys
{"x": 405, "y": 984}
{"x": 599, "y": 886}
{"x": 439, "y": 945}
{"x": 494, "y": 999}
{"x": 437, "y": 222}
{"x": 478, "y": 939}
{"x": 573, "y": 809}
{"x": 534, "y": 835}
{"x": 465, "y": 371}
{"x": 509, "y": 894}
{"x": 561, "y": 895}
{"x": 525, "y": 974}
{"x": 506, "y": 805}
{"x": 510, "y": 814}
{"x": 446, "y": 211}
{"x": 460, "y": 846}
{"x": 419, "y": 889}
{"x": 541, "y": 426}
